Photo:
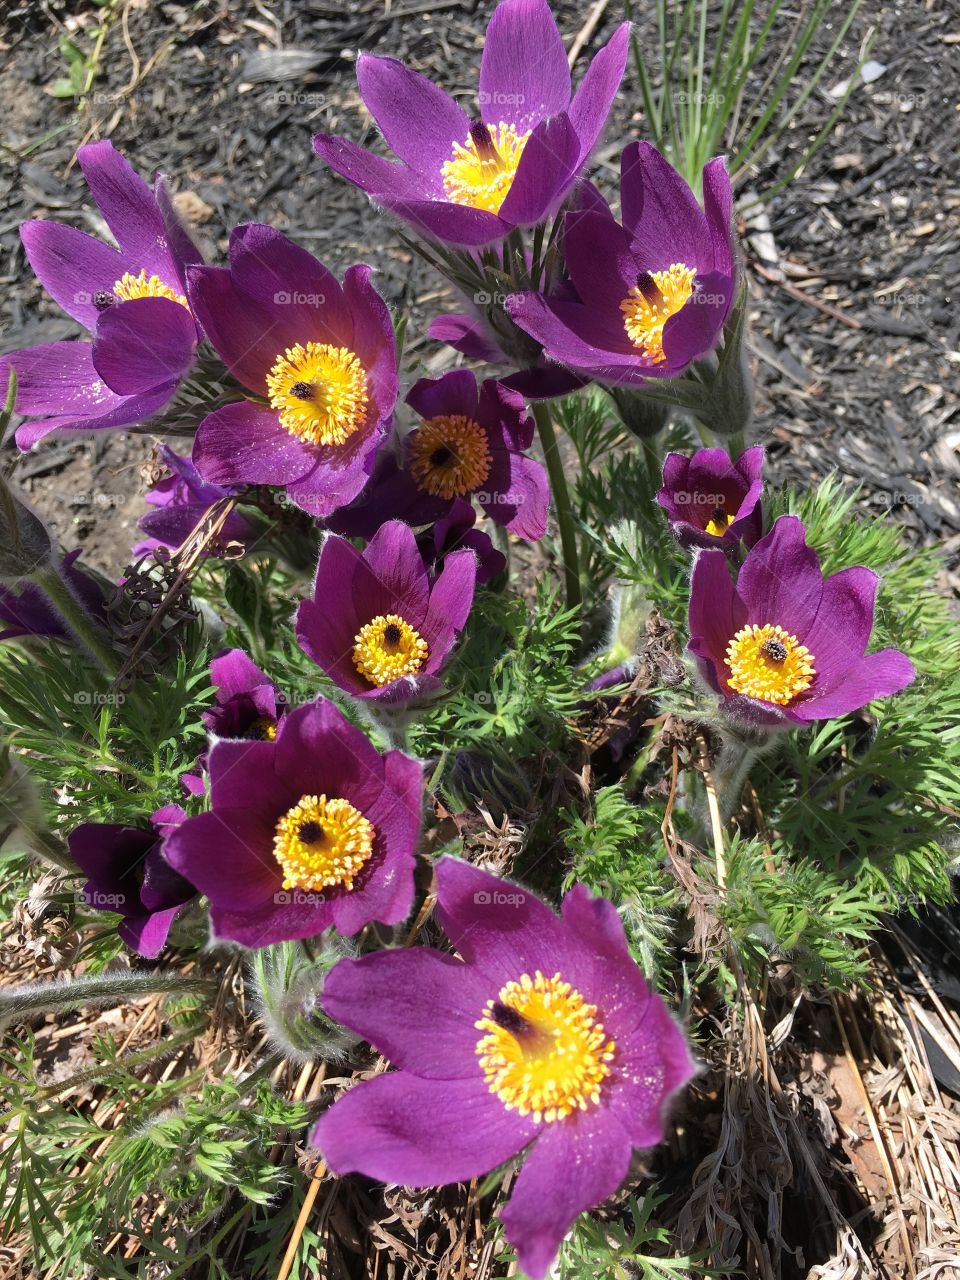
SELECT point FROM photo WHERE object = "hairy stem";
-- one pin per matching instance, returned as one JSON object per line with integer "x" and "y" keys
{"x": 561, "y": 500}
{"x": 76, "y": 618}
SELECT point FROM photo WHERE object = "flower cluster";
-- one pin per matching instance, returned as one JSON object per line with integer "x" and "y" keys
{"x": 526, "y": 1034}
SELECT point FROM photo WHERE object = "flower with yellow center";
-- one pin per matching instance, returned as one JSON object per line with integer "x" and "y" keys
{"x": 543, "y": 1052}
{"x": 129, "y": 287}
{"x": 320, "y": 392}
{"x": 482, "y": 170}
{"x": 719, "y": 522}
{"x": 388, "y": 648}
{"x": 768, "y": 663}
{"x": 450, "y": 456}
{"x": 648, "y": 306}
{"x": 322, "y": 843}
{"x": 263, "y": 729}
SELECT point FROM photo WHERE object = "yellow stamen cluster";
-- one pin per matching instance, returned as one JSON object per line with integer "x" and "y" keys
{"x": 543, "y": 1052}
{"x": 388, "y": 648}
{"x": 128, "y": 288}
{"x": 650, "y": 304}
{"x": 320, "y": 392}
{"x": 483, "y": 169}
{"x": 263, "y": 729}
{"x": 719, "y": 523}
{"x": 768, "y": 663}
{"x": 450, "y": 456}
{"x": 322, "y": 843}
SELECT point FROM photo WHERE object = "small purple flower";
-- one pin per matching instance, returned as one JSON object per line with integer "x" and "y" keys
{"x": 323, "y": 358}
{"x": 248, "y": 704}
{"x": 712, "y": 500}
{"x": 26, "y": 611}
{"x": 456, "y": 531}
{"x": 129, "y": 874}
{"x": 786, "y": 645}
{"x": 472, "y": 445}
{"x": 182, "y": 500}
{"x": 470, "y": 182}
{"x": 541, "y": 1038}
{"x": 377, "y": 625}
{"x": 313, "y": 829}
{"x": 132, "y": 300}
{"x": 655, "y": 291}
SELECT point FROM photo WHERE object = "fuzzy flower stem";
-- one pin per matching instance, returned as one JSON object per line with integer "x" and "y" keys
{"x": 561, "y": 498}
{"x": 76, "y": 618}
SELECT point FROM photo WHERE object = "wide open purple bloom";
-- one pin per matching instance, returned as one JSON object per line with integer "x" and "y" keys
{"x": 655, "y": 291}
{"x": 472, "y": 445}
{"x": 313, "y": 829}
{"x": 129, "y": 874}
{"x": 712, "y": 500}
{"x": 132, "y": 299}
{"x": 377, "y": 624}
{"x": 470, "y": 182}
{"x": 26, "y": 611}
{"x": 542, "y": 1037}
{"x": 786, "y": 645}
{"x": 321, "y": 355}
{"x": 181, "y": 500}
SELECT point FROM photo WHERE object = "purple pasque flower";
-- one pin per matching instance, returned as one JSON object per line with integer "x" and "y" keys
{"x": 322, "y": 356}
{"x": 472, "y": 445}
{"x": 713, "y": 500}
{"x": 181, "y": 501}
{"x": 542, "y": 1037}
{"x": 470, "y": 182}
{"x": 129, "y": 874}
{"x": 785, "y": 645}
{"x": 131, "y": 298}
{"x": 26, "y": 611}
{"x": 456, "y": 531}
{"x": 313, "y": 829}
{"x": 654, "y": 293}
{"x": 377, "y": 624}
{"x": 247, "y": 704}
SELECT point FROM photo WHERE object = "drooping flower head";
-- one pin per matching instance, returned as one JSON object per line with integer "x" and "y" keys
{"x": 321, "y": 355}
{"x": 132, "y": 299}
{"x": 312, "y": 829}
{"x": 377, "y": 624}
{"x": 654, "y": 292}
{"x": 471, "y": 181}
{"x": 542, "y": 1035}
{"x": 786, "y": 645}
{"x": 456, "y": 531}
{"x": 712, "y": 500}
{"x": 129, "y": 874}
{"x": 181, "y": 501}
{"x": 26, "y": 611}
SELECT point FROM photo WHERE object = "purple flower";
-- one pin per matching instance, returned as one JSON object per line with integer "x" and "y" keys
{"x": 541, "y": 1038}
{"x": 786, "y": 645}
{"x": 248, "y": 704}
{"x": 321, "y": 355}
{"x": 470, "y": 182}
{"x": 182, "y": 499}
{"x": 26, "y": 611}
{"x": 132, "y": 300}
{"x": 474, "y": 338}
{"x": 313, "y": 829}
{"x": 711, "y": 500}
{"x": 655, "y": 292}
{"x": 377, "y": 625}
{"x": 128, "y": 874}
{"x": 472, "y": 444}
{"x": 456, "y": 531}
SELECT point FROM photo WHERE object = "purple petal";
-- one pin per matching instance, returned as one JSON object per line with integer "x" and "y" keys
{"x": 575, "y": 334}
{"x": 695, "y": 329}
{"x": 660, "y": 212}
{"x": 247, "y": 341}
{"x": 717, "y": 201}
{"x": 453, "y": 393}
{"x": 373, "y": 343}
{"x": 716, "y": 613}
{"x": 244, "y": 443}
{"x": 72, "y": 266}
{"x": 468, "y": 336}
{"x": 454, "y": 224}
{"x": 419, "y": 1132}
{"x": 524, "y": 74}
{"x": 147, "y": 934}
{"x": 129, "y": 208}
{"x": 877, "y": 675}
{"x": 392, "y": 577}
{"x": 244, "y": 774}
{"x": 451, "y": 597}
{"x": 289, "y": 287}
{"x": 599, "y": 258}
{"x": 319, "y": 751}
{"x": 780, "y": 582}
{"x": 419, "y": 121}
{"x": 227, "y": 855}
{"x": 338, "y": 474}
{"x": 144, "y": 344}
{"x": 573, "y": 1166}
{"x": 369, "y": 172}
{"x": 502, "y": 409}
{"x": 234, "y": 672}
{"x": 528, "y": 494}
{"x": 181, "y": 243}
{"x": 840, "y": 633}
{"x": 546, "y": 169}
{"x": 592, "y": 102}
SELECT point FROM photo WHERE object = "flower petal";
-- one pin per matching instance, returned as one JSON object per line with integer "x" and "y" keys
{"x": 876, "y": 675}
{"x": 598, "y": 255}
{"x": 228, "y": 856}
{"x": 244, "y": 443}
{"x": 524, "y": 73}
{"x": 451, "y": 598}
{"x": 247, "y": 341}
{"x": 715, "y": 615}
{"x": 419, "y": 121}
{"x": 660, "y": 213}
{"x": 144, "y": 344}
{"x": 371, "y": 173}
{"x": 780, "y": 582}
{"x": 546, "y": 169}
{"x": 455, "y": 224}
{"x": 593, "y": 99}
{"x": 453, "y": 393}
{"x": 129, "y": 208}
{"x": 72, "y": 266}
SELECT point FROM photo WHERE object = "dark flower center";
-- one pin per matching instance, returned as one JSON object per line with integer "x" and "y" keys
{"x": 392, "y": 635}
{"x": 441, "y": 456}
{"x": 303, "y": 390}
{"x": 509, "y": 1019}
{"x": 483, "y": 141}
{"x": 775, "y": 650}
{"x": 103, "y": 299}
{"x": 309, "y": 832}
{"x": 719, "y": 515}
{"x": 650, "y": 289}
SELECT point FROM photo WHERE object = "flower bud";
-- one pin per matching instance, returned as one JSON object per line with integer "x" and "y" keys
{"x": 288, "y": 984}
